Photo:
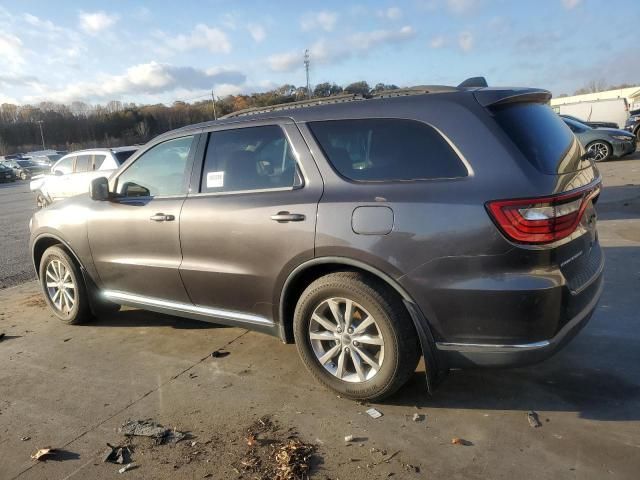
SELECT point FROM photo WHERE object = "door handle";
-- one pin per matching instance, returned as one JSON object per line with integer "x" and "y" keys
{"x": 283, "y": 217}
{"x": 161, "y": 217}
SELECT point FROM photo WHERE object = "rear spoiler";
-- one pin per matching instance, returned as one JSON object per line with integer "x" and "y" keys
{"x": 492, "y": 97}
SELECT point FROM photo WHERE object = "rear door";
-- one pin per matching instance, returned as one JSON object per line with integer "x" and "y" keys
{"x": 250, "y": 218}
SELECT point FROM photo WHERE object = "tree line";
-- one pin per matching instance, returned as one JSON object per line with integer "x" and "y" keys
{"x": 80, "y": 125}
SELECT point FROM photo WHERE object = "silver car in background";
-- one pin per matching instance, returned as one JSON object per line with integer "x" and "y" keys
{"x": 72, "y": 174}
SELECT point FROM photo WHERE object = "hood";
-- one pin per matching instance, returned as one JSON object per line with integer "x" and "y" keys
{"x": 616, "y": 131}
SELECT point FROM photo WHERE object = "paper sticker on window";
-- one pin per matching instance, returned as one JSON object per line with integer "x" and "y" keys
{"x": 215, "y": 179}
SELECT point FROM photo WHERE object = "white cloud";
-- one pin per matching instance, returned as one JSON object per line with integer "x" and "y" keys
{"x": 285, "y": 62}
{"x": 366, "y": 40}
{"x": 11, "y": 51}
{"x": 202, "y": 36}
{"x": 465, "y": 41}
{"x": 437, "y": 41}
{"x": 324, "y": 20}
{"x": 47, "y": 25}
{"x": 571, "y": 4}
{"x": 391, "y": 13}
{"x": 145, "y": 79}
{"x": 257, "y": 32}
{"x": 324, "y": 52}
{"x": 95, "y": 22}
{"x": 461, "y": 6}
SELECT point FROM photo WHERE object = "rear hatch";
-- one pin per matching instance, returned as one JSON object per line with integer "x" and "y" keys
{"x": 561, "y": 223}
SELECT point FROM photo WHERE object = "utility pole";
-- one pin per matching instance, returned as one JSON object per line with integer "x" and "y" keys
{"x": 306, "y": 67}
{"x": 213, "y": 104}
{"x": 39, "y": 122}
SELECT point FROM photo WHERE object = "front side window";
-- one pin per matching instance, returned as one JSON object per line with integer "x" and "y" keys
{"x": 254, "y": 158}
{"x": 386, "y": 149}
{"x": 159, "y": 171}
{"x": 64, "y": 166}
{"x": 83, "y": 163}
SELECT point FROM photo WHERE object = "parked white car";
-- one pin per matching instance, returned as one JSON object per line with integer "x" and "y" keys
{"x": 72, "y": 174}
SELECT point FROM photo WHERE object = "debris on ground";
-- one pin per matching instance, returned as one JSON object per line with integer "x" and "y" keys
{"x": 373, "y": 413}
{"x": 219, "y": 354}
{"x": 348, "y": 438}
{"x": 461, "y": 441}
{"x": 42, "y": 452}
{"x": 292, "y": 460}
{"x": 24, "y": 439}
{"x": 418, "y": 417}
{"x": 128, "y": 466}
{"x": 119, "y": 455}
{"x": 533, "y": 419}
{"x": 147, "y": 428}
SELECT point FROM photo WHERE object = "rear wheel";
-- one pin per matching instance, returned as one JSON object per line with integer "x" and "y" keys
{"x": 600, "y": 150}
{"x": 63, "y": 286}
{"x": 355, "y": 336}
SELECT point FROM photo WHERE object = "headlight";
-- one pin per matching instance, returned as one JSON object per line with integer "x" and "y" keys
{"x": 623, "y": 138}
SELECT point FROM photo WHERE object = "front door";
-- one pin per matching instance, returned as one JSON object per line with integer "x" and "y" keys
{"x": 249, "y": 220}
{"x": 135, "y": 238}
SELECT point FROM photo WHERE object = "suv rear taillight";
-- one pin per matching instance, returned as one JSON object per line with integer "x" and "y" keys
{"x": 542, "y": 219}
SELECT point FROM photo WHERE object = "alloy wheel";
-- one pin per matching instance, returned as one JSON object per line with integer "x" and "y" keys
{"x": 599, "y": 150}
{"x": 346, "y": 340}
{"x": 60, "y": 286}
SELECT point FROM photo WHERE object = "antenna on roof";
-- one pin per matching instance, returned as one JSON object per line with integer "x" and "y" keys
{"x": 474, "y": 82}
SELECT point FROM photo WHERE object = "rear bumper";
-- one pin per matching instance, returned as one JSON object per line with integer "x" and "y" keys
{"x": 460, "y": 355}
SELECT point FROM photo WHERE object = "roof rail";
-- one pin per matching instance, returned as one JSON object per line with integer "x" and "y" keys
{"x": 419, "y": 90}
{"x": 293, "y": 105}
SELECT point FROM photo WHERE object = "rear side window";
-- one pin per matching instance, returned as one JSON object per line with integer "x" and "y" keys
{"x": 387, "y": 149}
{"x": 540, "y": 134}
{"x": 98, "y": 160}
{"x": 253, "y": 158}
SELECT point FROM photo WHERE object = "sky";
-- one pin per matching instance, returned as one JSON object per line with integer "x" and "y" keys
{"x": 163, "y": 51}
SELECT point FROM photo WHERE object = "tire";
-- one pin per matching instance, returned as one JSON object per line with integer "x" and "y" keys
{"x": 638, "y": 134}
{"x": 602, "y": 150}
{"x": 397, "y": 357}
{"x": 72, "y": 307}
{"x": 41, "y": 200}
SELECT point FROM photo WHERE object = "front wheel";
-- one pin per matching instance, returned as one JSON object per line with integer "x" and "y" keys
{"x": 355, "y": 336}
{"x": 63, "y": 286}
{"x": 601, "y": 151}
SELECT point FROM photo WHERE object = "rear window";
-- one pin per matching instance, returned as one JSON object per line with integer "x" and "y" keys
{"x": 540, "y": 134}
{"x": 122, "y": 156}
{"x": 387, "y": 149}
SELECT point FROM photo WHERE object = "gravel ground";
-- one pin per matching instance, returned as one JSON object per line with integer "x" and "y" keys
{"x": 18, "y": 204}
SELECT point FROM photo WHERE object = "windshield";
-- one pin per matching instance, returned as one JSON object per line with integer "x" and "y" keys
{"x": 541, "y": 135}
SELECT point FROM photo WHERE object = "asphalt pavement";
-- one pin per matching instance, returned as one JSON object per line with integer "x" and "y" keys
{"x": 17, "y": 204}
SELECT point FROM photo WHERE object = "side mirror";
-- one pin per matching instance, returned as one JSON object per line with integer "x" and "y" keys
{"x": 58, "y": 173}
{"x": 99, "y": 189}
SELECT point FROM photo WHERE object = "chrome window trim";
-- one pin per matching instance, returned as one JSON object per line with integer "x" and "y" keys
{"x": 125, "y": 297}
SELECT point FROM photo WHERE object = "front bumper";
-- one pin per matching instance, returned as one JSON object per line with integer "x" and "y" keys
{"x": 621, "y": 149}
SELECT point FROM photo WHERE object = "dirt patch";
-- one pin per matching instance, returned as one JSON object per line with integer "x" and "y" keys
{"x": 35, "y": 300}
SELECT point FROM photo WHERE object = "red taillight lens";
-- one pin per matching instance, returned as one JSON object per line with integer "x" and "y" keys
{"x": 544, "y": 219}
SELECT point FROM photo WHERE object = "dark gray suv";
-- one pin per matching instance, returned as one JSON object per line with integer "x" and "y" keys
{"x": 452, "y": 223}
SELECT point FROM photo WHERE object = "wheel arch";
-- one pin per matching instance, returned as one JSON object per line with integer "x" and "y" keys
{"x": 307, "y": 272}
{"x": 44, "y": 241}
